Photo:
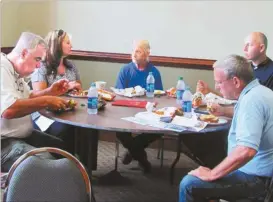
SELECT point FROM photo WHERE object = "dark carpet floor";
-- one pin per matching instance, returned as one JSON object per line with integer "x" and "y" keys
{"x": 130, "y": 184}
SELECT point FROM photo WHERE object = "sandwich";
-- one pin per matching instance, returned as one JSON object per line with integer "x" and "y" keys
{"x": 209, "y": 118}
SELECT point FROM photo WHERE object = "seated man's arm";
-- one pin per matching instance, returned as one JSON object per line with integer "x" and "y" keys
{"x": 269, "y": 82}
{"x": 204, "y": 88}
{"x": 219, "y": 110}
{"x": 158, "y": 82}
{"x": 249, "y": 129}
{"x": 121, "y": 80}
{"x": 23, "y": 107}
{"x": 57, "y": 88}
{"x": 14, "y": 106}
{"x": 236, "y": 159}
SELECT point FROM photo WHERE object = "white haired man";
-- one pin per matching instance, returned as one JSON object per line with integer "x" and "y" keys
{"x": 17, "y": 102}
{"x": 244, "y": 173}
{"x": 136, "y": 72}
{"x": 131, "y": 75}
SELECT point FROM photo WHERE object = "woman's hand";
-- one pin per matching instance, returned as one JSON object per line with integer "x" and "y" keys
{"x": 74, "y": 85}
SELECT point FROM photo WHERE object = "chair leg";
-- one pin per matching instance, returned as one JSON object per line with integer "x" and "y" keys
{"x": 116, "y": 155}
{"x": 162, "y": 152}
{"x": 159, "y": 149}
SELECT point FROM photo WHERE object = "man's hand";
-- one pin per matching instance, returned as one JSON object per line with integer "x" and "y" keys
{"x": 202, "y": 87}
{"x": 216, "y": 109}
{"x": 59, "y": 87}
{"x": 203, "y": 173}
{"x": 56, "y": 103}
{"x": 74, "y": 85}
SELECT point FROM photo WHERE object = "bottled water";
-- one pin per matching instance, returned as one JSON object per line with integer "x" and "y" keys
{"x": 92, "y": 103}
{"x": 150, "y": 85}
{"x": 187, "y": 103}
{"x": 180, "y": 88}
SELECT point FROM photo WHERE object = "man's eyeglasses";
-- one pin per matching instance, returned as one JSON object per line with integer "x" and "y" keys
{"x": 217, "y": 83}
{"x": 20, "y": 85}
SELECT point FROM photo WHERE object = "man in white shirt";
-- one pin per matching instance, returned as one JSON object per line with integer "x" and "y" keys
{"x": 17, "y": 102}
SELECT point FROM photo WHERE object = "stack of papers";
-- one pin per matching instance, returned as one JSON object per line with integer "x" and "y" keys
{"x": 178, "y": 123}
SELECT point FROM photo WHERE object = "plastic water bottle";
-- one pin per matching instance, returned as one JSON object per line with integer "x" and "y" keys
{"x": 180, "y": 88}
{"x": 92, "y": 103}
{"x": 150, "y": 85}
{"x": 187, "y": 103}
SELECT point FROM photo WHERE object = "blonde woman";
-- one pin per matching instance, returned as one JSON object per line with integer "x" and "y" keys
{"x": 55, "y": 67}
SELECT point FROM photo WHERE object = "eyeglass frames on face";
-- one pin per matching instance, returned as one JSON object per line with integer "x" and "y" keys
{"x": 217, "y": 83}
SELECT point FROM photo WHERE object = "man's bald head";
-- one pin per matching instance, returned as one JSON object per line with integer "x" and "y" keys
{"x": 260, "y": 38}
{"x": 255, "y": 46}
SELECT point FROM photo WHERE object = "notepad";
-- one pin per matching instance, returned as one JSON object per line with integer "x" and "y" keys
{"x": 130, "y": 103}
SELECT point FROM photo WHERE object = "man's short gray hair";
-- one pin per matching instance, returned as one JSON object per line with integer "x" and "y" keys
{"x": 28, "y": 41}
{"x": 235, "y": 65}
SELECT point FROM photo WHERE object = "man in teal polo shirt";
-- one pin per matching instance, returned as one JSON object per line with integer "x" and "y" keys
{"x": 249, "y": 164}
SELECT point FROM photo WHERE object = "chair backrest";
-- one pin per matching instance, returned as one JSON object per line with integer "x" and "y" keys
{"x": 32, "y": 178}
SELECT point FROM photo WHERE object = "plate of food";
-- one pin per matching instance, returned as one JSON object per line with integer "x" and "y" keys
{"x": 159, "y": 92}
{"x": 171, "y": 92}
{"x": 106, "y": 95}
{"x": 129, "y": 92}
{"x": 77, "y": 94}
{"x": 70, "y": 107}
{"x": 212, "y": 120}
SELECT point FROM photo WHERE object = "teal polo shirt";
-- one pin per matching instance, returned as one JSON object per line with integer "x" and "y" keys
{"x": 252, "y": 126}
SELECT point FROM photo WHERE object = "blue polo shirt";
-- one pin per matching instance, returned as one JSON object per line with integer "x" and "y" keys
{"x": 131, "y": 76}
{"x": 264, "y": 72}
{"x": 252, "y": 126}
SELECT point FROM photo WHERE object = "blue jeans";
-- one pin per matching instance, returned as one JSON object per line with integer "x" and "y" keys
{"x": 236, "y": 185}
{"x": 13, "y": 148}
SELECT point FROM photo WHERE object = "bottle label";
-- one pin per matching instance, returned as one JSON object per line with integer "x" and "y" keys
{"x": 92, "y": 102}
{"x": 150, "y": 87}
{"x": 187, "y": 105}
{"x": 179, "y": 94}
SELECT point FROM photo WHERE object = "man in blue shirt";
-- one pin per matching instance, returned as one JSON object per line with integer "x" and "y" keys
{"x": 131, "y": 75}
{"x": 249, "y": 164}
{"x": 136, "y": 72}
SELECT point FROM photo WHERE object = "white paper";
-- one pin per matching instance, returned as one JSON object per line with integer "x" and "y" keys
{"x": 191, "y": 123}
{"x": 210, "y": 97}
{"x": 44, "y": 123}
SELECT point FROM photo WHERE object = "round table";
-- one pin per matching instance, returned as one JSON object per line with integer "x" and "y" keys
{"x": 109, "y": 119}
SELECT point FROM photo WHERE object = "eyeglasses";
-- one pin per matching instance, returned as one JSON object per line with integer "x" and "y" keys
{"x": 60, "y": 32}
{"x": 20, "y": 85}
{"x": 217, "y": 83}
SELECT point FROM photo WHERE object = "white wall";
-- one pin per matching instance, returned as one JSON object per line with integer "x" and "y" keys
{"x": 208, "y": 29}
{"x": 9, "y": 23}
{"x": 195, "y": 29}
